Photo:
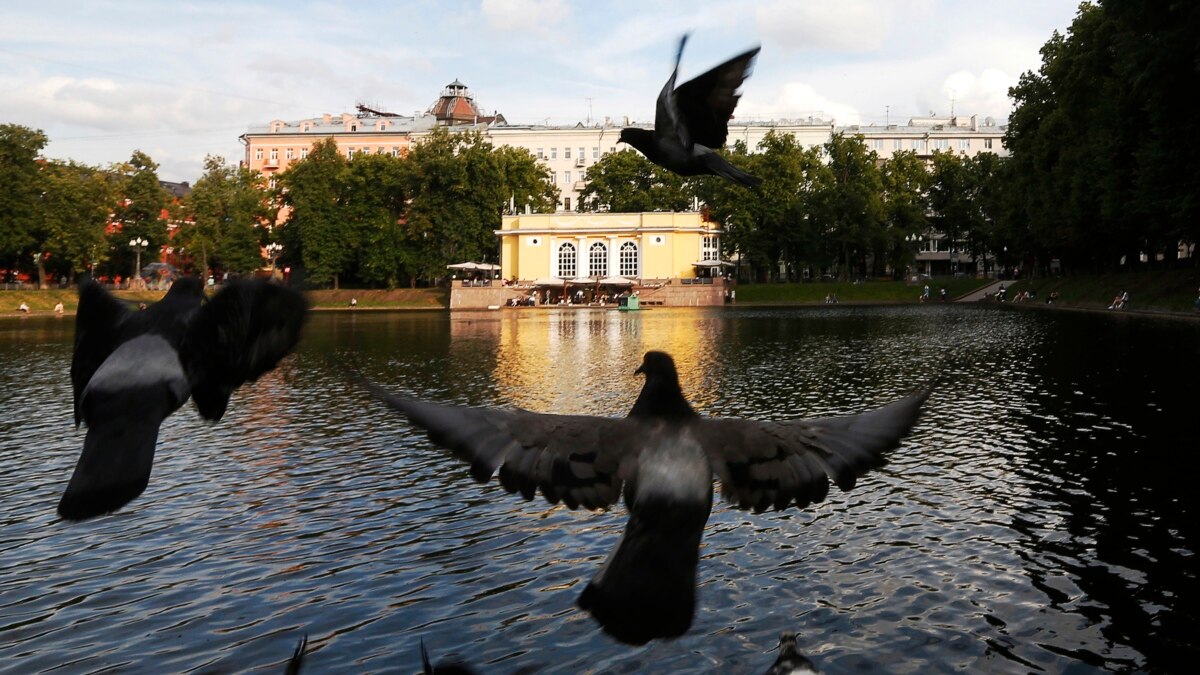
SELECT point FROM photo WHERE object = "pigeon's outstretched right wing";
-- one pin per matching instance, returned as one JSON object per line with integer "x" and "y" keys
{"x": 237, "y": 336}
{"x": 97, "y": 323}
{"x": 777, "y": 464}
{"x": 706, "y": 103}
{"x": 579, "y": 460}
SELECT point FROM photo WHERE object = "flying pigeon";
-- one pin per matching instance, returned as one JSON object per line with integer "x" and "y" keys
{"x": 132, "y": 369}
{"x": 791, "y": 661}
{"x": 691, "y": 121}
{"x": 663, "y": 457}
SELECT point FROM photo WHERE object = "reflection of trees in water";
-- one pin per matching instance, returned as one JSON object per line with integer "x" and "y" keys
{"x": 1108, "y": 509}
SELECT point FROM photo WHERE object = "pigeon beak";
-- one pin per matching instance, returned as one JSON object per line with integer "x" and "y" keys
{"x": 640, "y": 369}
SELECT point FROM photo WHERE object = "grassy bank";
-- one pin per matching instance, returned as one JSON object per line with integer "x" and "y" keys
{"x": 866, "y": 291}
{"x": 1162, "y": 291}
{"x": 42, "y": 302}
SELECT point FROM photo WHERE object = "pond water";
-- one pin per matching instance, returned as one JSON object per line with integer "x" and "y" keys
{"x": 1040, "y": 518}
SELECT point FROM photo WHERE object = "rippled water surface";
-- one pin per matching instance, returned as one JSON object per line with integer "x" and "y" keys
{"x": 1041, "y": 518}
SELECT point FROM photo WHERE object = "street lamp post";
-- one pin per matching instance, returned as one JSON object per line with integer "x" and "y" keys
{"x": 138, "y": 245}
{"x": 273, "y": 251}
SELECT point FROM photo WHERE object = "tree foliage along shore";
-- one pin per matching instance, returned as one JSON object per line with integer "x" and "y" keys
{"x": 1100, "y": 176}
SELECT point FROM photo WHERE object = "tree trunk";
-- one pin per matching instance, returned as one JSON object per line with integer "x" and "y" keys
{"x": 335, "y": 281}
{"x": 41, "y": 272}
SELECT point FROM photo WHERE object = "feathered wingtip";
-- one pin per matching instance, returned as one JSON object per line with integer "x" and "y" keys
{"x": 297, "y": 660}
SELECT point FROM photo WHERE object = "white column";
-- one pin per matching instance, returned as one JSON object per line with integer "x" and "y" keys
{"x": 614, "y": 256}
{"x": 581, "y": 269}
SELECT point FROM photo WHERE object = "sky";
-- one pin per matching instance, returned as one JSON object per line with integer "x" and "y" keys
{"x": 182, "y": 79}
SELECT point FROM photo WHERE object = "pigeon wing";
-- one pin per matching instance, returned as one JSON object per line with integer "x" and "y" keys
{"x": 777, "y": 464}
{"x": 237, "y": 336}
{"x": 579, "y": 460}
{"x": 97, "y": 323}
{"x": 669, "y": 123}
{"x": 706, "y": 103}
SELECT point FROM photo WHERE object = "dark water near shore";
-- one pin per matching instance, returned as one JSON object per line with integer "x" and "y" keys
{"x": 1041, "y": 518}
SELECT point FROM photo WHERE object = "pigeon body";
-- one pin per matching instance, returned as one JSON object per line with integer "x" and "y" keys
{"x": 791, "y": 661}
{"x": 132, "y": 369}
{"x": 691, "y": 121}
{"x": 663, "y": 457}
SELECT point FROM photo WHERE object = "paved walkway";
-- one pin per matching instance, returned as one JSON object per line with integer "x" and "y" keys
{"x": 977, "y": 295}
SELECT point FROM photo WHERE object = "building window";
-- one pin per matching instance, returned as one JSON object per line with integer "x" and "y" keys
{"x": 289, "y": 153}
{"x": 567, "y": 177}
{"x": 919, "y": 144}
{"x": 941, "y": 144}
{"x": 566, "y": 153}
{"x": 566, "y": 261}
{"x": 553, "y": 153}
{"x": 628, "y": 259}
{"x": 897, "y": 144}
{"x": 877, "y": 144}
{"x": 349, "y": 153}
{"x": 540, "y": 155}
{"x": 709, "y": 248}
{"x": 258, "y": 153}
{"x": 580, "y": 155}
{"x": 595, "y": 152}
{"x": 964, "y": 144}
{"x": 566, "y": 203}
{"x": 987, "y": 143}
{"x": 395, "y": 151}
{"x": 303, "y": 153}
{"x": 597, "y": 260}
{"x": 274, "y": 154}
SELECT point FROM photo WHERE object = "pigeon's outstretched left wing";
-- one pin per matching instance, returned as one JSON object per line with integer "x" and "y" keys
{"x": 669, "y": 122}
{"x": 241, "y": 333}
{"x": 777, "y": 464}
{"x": 97, "y": 323}
{"x": 579, "y": 460}
{"x": 706, "y": 103}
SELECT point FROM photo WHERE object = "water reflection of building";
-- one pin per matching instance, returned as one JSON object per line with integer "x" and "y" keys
{"x": 544, "y": 359}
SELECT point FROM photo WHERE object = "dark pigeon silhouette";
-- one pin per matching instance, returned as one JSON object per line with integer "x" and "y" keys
{"x": 296, "y": 663}
{"x": 691, "y": 121}
{"x": 663, "y": 457}
{"x": 132, "y": 369}
{"x": 454, "y": 668}
{"x": 791, "y": 661}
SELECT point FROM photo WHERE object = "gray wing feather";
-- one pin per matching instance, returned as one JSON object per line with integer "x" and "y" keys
{"x": 778, "y": 464}
{"x": 574, "y": 459}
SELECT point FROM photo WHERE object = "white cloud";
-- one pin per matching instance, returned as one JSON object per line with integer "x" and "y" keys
{"x": 796, "y": 100}
{"x": 537, "y": 16}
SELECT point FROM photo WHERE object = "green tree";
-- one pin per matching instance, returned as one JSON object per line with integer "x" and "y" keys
{"x": 905, "y": 203}
{"x": 19, "y": 175}
{"x": 848, "y": 203}
{"x": 771, "y": 225}
{"x": 76, "y": 203}
{"x": 627, "y": 182}
{"x": 376, "y": 199}
{"x": 222, "y": 218}
{"x": 317, "y": 229}
{"x": 460, "y": 187}
{"x": 139, "y": 213}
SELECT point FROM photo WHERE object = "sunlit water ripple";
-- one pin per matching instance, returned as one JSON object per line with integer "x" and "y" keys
{"x": 1031, "y": 523}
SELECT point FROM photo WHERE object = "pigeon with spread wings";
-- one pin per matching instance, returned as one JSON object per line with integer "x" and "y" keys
{"x": 691, "y": 121}
{"x": 662, "y": 456}
{"x": 132, "y": 369}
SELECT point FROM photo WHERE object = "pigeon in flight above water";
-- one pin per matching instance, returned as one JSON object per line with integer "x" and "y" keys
{"x": 663, "y": 456}
{"x": 132, "y": 369}
{"x": 691, "y": 121}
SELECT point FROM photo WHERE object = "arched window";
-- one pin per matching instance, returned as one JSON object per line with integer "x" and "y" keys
{"x": 566, "y": 261}
{"x": 629, "y": 259}
{"x": 598, "y": 260}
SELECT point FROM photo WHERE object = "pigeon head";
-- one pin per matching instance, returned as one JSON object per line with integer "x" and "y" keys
{"x": 641, "y": 139}
{"x": 661, "y": 396}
